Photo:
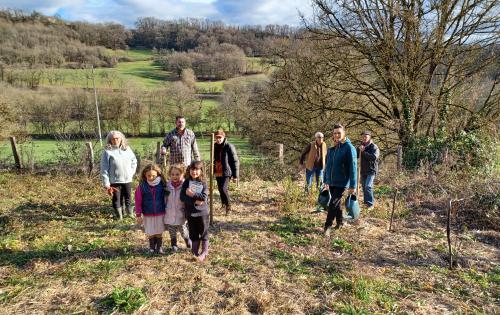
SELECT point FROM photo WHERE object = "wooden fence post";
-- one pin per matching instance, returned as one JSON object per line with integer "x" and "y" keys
{"x": 90, "y": 157}
{"x": 211, "y": 168}
{"x": 17, "y": 159}
{"x": 400, "y": 158}
{"x": 158, "y": 153}
{"x": 448, "y": 234}
{"x": 280, "y": 154}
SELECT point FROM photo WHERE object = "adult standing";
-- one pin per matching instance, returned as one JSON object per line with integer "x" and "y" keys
{"x": 370, "y": 153}
{"x": 226, "y": 167}
{"x": 340, "y": 174}
{"x": 118, "y": 165}
{"x": 314, "y": 157}
{"x": 182, "y": 144}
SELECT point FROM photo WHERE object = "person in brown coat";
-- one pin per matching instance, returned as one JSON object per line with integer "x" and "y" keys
{"x": 313, "y": 159}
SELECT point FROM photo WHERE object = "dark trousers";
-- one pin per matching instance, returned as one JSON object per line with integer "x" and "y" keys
{"x": 198, "y": 228}
{"x": 223, "y": 186}
{"x": 334, "y": 208}
{"x": 121, "y": 197}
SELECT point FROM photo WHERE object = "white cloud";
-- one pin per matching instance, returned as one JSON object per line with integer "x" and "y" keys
{"x": 127, "y": 11}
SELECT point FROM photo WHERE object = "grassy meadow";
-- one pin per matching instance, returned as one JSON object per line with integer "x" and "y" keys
{"x": 62, "y": 252}
{"x": 141, "y": 71}
{"x": 49, "y": 152}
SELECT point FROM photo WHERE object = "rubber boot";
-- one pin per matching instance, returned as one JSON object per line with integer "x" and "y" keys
{"x": 195, "y": 248}
{"x": 204, "y": 251}
{"x": 189, "y": 244}
{"x": 152, "y": 244}
{"x": 119, "y": 213}
{"x": 173, "y": 243}
{"x": 228, "y": 209}
{"x": 159, "y": 243}
{"x": 129, "y": 211}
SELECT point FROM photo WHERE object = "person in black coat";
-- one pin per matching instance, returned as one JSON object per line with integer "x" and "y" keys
{"x": 226, "y": 167}
{"x": 370, "y": 154}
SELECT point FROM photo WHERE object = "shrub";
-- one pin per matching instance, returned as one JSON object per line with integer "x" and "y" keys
{"x": 125, "y": 299}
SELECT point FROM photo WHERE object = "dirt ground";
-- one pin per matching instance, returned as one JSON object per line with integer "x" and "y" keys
{"x": 63, "y": 253}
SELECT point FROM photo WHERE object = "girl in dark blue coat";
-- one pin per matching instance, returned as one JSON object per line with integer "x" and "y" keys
{"x": 194, "y": 194}
{"x": 150, "y": 197}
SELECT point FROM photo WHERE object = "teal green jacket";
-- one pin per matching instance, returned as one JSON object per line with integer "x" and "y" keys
{"x": 341, "y": 166}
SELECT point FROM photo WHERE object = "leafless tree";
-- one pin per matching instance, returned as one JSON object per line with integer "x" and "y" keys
{"x": 406, "y": 61}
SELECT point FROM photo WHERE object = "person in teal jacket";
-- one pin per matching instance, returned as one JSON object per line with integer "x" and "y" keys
{"x": 340, "y": 174}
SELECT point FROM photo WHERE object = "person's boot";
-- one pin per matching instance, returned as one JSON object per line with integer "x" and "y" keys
{"x": 189, "y": 244}
{"x": 119, "y": 213}
{"x": 159, "y": 243}
{"x": 152, "y": 244}
{"x": 204, "y": 251}
{"x": 228, "y": 209}
{"x": 130, "y": 211}
{"x": 173, "y": 243}
{"x": 195, "y": 248}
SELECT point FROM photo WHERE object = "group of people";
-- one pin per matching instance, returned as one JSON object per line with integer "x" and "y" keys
{"x": 335, "y": 170}
{"x": 177, "y": 204}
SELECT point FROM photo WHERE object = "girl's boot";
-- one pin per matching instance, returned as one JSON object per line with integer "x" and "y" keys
{"x": 195, "y": 247}
{"x": 173, "y": 243}
{"x": 204, "y": 251}
{"x": 159, "y": 243}
{"x": 152, "y": 244}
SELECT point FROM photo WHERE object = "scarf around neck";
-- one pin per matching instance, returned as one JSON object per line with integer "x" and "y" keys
{"x": 176, "y": 184}
{"x": 155, "y": 182}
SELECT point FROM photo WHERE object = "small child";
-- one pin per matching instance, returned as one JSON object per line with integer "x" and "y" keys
{"x": 195, "y": 197}
{"x": 175, "y": 218}
{"x": 150, "y": 198}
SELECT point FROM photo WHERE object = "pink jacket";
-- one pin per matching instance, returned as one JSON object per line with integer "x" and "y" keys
{"x": 175, "y": 207}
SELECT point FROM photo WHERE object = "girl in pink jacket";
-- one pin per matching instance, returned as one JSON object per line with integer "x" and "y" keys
{"x": 175, "y": 218}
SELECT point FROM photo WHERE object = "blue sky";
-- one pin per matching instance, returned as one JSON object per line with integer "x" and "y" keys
{"x": 241, "y": 12}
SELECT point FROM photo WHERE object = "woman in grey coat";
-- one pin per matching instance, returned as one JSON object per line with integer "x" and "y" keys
{"x": 118, "y": 165}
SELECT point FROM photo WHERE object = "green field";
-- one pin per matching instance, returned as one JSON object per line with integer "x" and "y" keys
{"x": 142, "y": 72}
{"x": 132, "y": 54}
{"x": 46, "y": 152}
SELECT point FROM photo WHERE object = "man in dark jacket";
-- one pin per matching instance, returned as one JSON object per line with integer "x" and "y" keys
{"x": 226, "y": 167}
{"x": 340, "y": 174}
{"x": 370, "y": 153}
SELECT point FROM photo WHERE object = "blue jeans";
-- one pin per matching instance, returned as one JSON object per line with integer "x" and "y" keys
{"x": 367, "y": 185}
{"x": 309, "y": 177}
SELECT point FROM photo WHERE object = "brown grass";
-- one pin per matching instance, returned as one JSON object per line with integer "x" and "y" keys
{"x": 252, "y": 268}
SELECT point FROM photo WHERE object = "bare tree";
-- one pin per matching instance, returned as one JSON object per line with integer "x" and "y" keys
{"x": 404, "y": 60}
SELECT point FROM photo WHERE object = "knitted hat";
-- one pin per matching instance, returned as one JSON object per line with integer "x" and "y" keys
{"x": 366, "y": 133}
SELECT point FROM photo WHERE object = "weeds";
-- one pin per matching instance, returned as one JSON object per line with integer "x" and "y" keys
{"x": 338, "y": 244}
{"x": 289, "y": 262}
{"x": 125, "y": 300}
{"x": 294, "y": 230}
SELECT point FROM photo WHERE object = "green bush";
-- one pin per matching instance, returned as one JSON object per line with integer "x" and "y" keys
{"x": 468, "y": 150}
{"x": 125, "y": 299}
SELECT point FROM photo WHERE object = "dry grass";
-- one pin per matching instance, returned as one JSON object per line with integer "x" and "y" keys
{"x": 61, "y": 252}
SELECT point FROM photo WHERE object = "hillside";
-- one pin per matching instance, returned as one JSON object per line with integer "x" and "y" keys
{"x": 62, "y": 253}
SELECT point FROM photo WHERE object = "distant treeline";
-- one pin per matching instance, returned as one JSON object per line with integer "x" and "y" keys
{"x": 35, "y": 39}
{"x": 187, "y": 34}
